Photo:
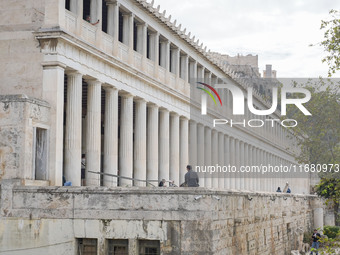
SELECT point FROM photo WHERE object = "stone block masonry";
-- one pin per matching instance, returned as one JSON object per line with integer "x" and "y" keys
{"x": 51, "y": 220}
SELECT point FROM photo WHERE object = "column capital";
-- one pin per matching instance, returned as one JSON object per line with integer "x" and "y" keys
{"x": 175, "y": 49}
{"x": 129, "y": 14}
{"x": 152, "y": 105}
{"x": 141, "y": 24}
{"x": 192, "y": 121}
{"x": 184, "y": 118}
{"x": 185, "y": 55}
{"x": 110, "y": 88}
{"x": 93, "y": 82}
{"x": 194, "y": 61}
{"x": 73, "y": 72}
{"x": 153, "y": 33}
{"x": 113, "y": 2}
{"x": 53, "y": 64}
{"x": 174, "y": 114}
{"x": 164, "y": 40}
{"x": 162, "y": 109}
{"x": 126, "y": 94}
{"x": 140, "y": 99}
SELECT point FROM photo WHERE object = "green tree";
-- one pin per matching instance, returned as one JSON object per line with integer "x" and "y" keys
{"x": 331, "y": 42}
{"x": 321, "y": 131}
{"x": 319, "y": 136}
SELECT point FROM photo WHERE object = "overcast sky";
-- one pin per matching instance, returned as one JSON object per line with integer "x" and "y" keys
{"x": 278, "y": 31}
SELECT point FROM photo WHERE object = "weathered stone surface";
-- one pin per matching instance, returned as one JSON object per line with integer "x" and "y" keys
{"x": 182, "y": 224}
{"x": 18, "y": 116}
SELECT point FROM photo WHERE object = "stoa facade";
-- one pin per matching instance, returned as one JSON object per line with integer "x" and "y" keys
{"x": 92, "y": 90}
{"x": 119, "y": 93}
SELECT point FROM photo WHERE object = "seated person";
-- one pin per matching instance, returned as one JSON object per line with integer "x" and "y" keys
{"x": 162, "y": 183}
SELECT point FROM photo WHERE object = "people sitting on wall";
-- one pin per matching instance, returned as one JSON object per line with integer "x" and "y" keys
{"x": 288, "y": 190}
{"x": 162, "y": 183}
{"x": 66, "y": 183}
{"x": 278, "y": 189}
{"x": 172, "y": 184}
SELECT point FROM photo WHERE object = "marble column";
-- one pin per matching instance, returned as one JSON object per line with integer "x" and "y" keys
{"x": 115, "y": 26}
{"x": 259, "y": 176}
{"x": 193, "y": 143}
{"x": 255, "y": 175}
{"x": 193, "y": 70}
{"x": 96, "y": 12}
{"x": 200, "y": 73}
{"x": 207, "y": 155}
{"x": 163, "y": 168}
{"x": 221, "y": 159}
{"x": 93, "y": 132}
{"x": 184, "y": 148}
{"x": 175, "y": 55}
{"x": 73, "y": 6}
{"x": 152, "y": 145}
{"x": 318, "y": 217}
{"x": 126, "y": 139}
{"x": 142, "y": 39}
{"x": 251, "y": 163}
{"x": 165, "y": 54}
{"x": 127, "y": 27}
{"x": 128, "y": 33}
{"x": 154, "y": 47}
{"x": 184, "y": 67}
{"x": 246, "y": 164}
{"x": 232, "y": 163}
{"x": 93, "y": 10}
{"x": 241, "y": 163}
{"x": 72, "y": 149}
{"x": 227, "y": 161}
{"x": 53, "y": 92}
{"x": 139, "y": 147}
{"x": 200, "y": 150}
{"x": 174, "y": 148}
{"x": 263, "y": 161}
{"x": 112, "y": 18}
{"x": 214, "y": 157}
{"x": 110, "y": 160}
{"x": 79, "y": 12}
{"x": 237, "y": 164}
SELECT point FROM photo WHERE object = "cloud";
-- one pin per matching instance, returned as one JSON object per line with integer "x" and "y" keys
{"x": 280, "y": 32}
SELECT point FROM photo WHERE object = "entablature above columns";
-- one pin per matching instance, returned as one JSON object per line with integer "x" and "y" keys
{"x": 92, "y": 63}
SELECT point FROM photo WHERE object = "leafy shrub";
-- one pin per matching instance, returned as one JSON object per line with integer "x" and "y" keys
{"x": 331, "y": 231}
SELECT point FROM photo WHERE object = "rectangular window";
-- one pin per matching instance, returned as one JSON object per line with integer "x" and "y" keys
{"x": 148, "y": 247}
{"x": 118, "y": 247}
{"x": 40, "y": 153}
{"x": 87, "y": 246}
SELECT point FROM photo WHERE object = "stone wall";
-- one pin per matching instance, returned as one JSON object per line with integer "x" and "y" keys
{"x": 47, "y": 220}
{"x": 19, "y": 115}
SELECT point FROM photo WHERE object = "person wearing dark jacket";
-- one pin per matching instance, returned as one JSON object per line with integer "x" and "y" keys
{"x": 315, "y": 245}
{"x": 191, "y": 178}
